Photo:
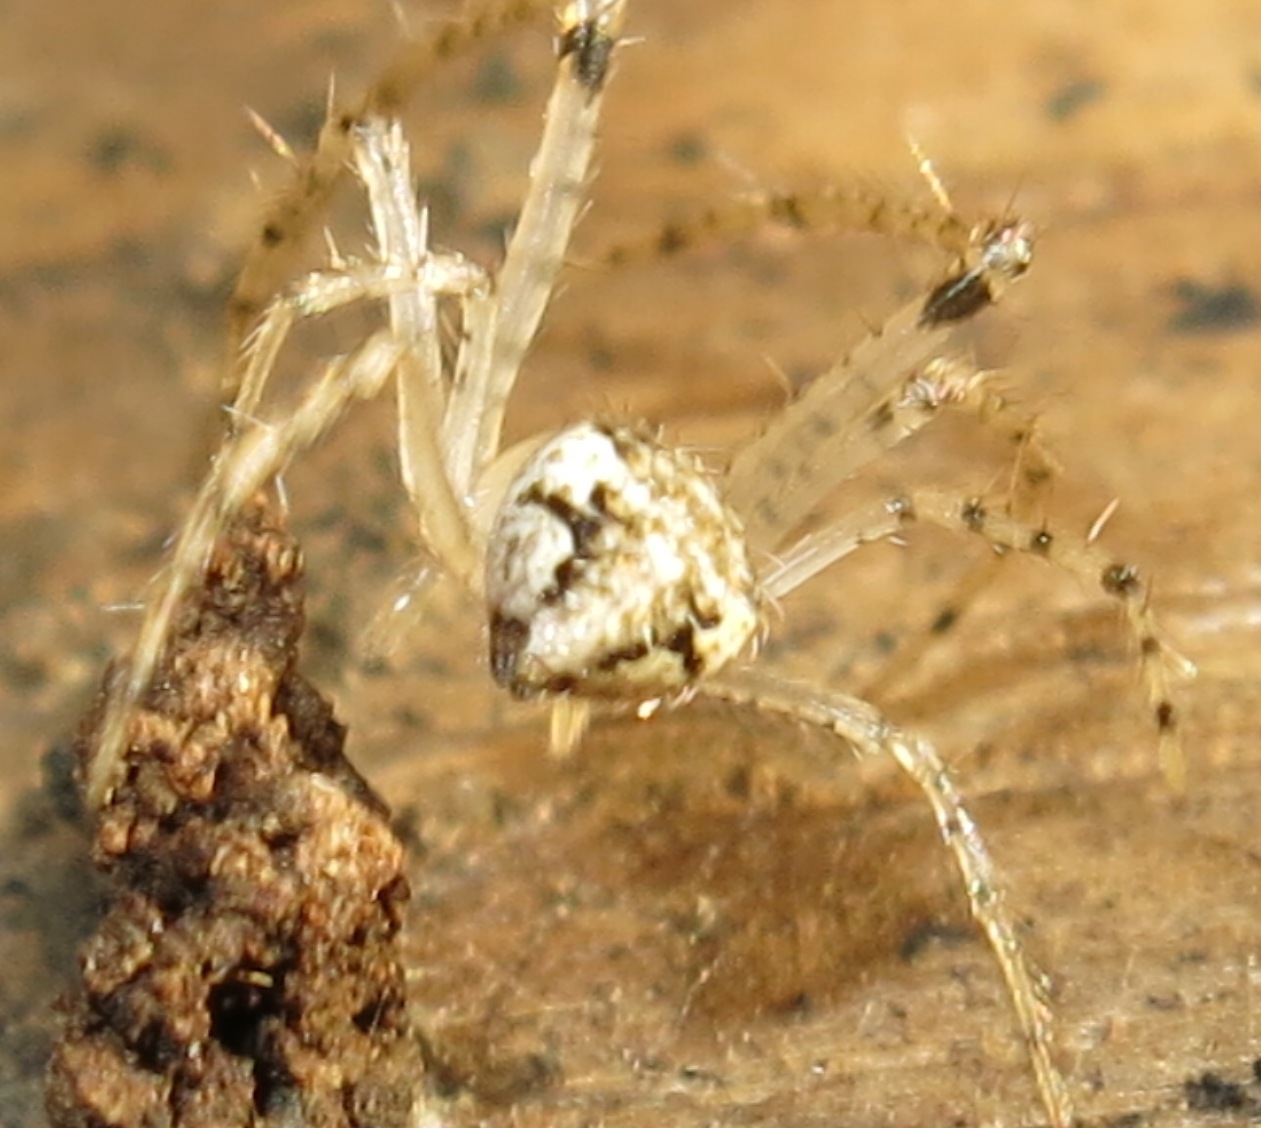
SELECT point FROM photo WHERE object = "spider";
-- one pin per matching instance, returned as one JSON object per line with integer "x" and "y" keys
{"x": 612, "y": 566}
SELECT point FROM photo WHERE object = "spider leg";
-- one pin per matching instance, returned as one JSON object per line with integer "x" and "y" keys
{"x": 1091, "y": 563}
{"x": 828, "y": 207}
{"x": 957, "y": 385}
{"x": 568, "y": 721}
{"x": 289, "y": 218}
{"x": 383, "y": 159}
{"x": 249, "y": 460}
{"x": 871, "y": 734}
{"x": 819, "y": 550}
{"x": 786, "y": 471}
{"x": 1160, "y": 664}
{"x": 503, "y": 324}
{"x": 324, "y": 291}
{"x": 1032, "y": 471}
{"x": 952, "y": 384}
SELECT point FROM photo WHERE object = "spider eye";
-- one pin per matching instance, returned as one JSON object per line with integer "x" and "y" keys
{"x": 615, "y": 570}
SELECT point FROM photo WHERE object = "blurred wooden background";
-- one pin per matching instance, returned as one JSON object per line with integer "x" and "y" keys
{"x": 715, "y": 917}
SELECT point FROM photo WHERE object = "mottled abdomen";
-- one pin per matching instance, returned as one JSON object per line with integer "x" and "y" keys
{"x": 615, "y": 570}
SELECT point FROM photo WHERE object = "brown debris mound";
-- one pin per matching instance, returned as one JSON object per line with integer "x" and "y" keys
{"x": 246, "y": 972}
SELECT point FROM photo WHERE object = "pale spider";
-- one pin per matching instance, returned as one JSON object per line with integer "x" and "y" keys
{"x": 613, "y": 567}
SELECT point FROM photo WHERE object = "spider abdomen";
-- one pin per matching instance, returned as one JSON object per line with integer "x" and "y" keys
{"x": 615, "y": 570}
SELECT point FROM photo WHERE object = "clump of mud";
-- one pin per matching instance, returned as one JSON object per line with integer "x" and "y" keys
{"x": 246, "y": 971}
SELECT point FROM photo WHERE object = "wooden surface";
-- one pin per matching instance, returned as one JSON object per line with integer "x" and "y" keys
{"x": 712, "y": 917}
